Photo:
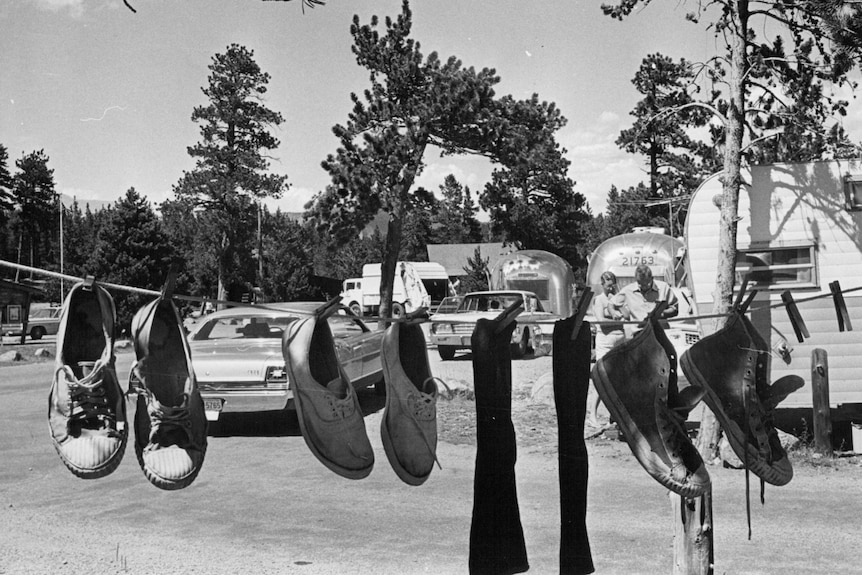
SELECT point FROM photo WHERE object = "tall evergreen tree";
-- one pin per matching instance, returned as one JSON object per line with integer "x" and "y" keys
{"x": 7, "y": 199}
{"x": 230, "y": 176}
{"x": 33, "y": 190}
{"x": 7, "y": 203}
{"x": 132, "y": 250}
{"x": 676, "y": 162}
{"x": 456, "y": 221}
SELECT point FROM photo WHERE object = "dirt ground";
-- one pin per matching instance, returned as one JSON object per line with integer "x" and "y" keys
{"x": 263, "y": 504}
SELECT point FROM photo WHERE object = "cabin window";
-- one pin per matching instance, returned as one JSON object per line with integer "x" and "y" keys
{"x": 853, "y": 192}
{"x": 777, "y": 268}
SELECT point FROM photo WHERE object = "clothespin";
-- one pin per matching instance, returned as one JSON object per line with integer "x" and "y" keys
{"x": 508, "y": 315}
{"x": 581, "y": 311}
{"x": 328, "y": 309}
{"x": 840, "y": 307}
{"x": 740, "y": 306}
{"x": 170, "y": 284}
{"x": 795, "y": 319}
{"x": 89, "y": 281}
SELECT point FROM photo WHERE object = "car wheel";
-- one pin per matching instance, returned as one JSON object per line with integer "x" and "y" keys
{"x": 37, "y": 332}
{"x": 519, "y": 349}
{"x": 446, "y": 352}
{"x": 397, "y": 310}
{"x": 356, "y": 309}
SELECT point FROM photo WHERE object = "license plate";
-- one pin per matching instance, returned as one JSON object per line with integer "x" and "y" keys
{"x": 212, "y": 408}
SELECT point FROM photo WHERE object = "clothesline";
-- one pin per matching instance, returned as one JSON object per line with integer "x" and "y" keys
{"x": 198, "y": 299}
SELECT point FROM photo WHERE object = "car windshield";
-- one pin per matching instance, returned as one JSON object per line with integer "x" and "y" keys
{"x": 252, "y": 326}
{"x": 497, "y": 302}
{"x": 43, "y": 313}
{"x": 449, "y": 304}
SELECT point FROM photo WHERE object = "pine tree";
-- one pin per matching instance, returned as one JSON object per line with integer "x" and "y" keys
{"x": 230, "y": 176}
{"x": 132, "y": 250}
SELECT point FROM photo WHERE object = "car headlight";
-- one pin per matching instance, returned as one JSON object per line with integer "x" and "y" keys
{"x": 442, "y": 328}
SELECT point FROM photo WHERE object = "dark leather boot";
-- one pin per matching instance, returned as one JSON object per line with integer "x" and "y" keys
{"x": 571, "y": 370}
{"x": 731, "y": 366}
{"x": 637, "y": 380}
{"x": 496, "y": 535}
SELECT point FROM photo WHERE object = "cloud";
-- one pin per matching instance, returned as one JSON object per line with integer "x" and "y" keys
{"x": 75, "y": 7}
{"x": 104, "y": 113}
{"x": 598, "y": 163}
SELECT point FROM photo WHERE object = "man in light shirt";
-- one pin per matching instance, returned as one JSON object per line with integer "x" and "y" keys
{"x": 645, "y": 292}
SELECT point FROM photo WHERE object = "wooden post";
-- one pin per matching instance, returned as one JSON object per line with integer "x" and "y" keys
{"x": 822, "y": 419}
{"x": 692, "y": 534}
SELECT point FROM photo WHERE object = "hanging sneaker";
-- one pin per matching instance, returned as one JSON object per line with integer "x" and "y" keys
{"x": 731, "y": 367}
{"x": 637, "y": 381}
{"x": 86, "y": 407}
{"x": 327, "y": 408}
{"x": 409, "y": 425}
{"x": 170, "y": 424}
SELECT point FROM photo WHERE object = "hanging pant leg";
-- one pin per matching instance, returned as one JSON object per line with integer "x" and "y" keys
{"x": 571, "y": 370}
{"x": 496, "y": 535}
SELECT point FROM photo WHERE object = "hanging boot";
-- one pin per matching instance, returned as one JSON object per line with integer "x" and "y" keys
{"x": 731, "y": 367}
{"x": 571, "y": 370}
{"x": 637, "y": 381}
{"x": 496, "y": 535}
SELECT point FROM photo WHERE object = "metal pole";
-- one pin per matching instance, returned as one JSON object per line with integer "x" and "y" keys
{"x": 61, "y": 248}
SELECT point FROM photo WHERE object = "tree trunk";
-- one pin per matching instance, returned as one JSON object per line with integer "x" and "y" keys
{"x": 390, "y": 260}
{"x": 731, "y": 180}
{"x": 222, "y": 257}
{"x": 398, "y": 206}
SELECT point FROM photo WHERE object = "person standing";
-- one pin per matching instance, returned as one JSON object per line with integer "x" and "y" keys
{"x": 607, "y": 306}
{"x": 642, "y": 296}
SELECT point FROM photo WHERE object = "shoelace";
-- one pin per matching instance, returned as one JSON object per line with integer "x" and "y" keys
{"x": 420, "y": 403}
{"x": 164, "y": 418}
{"x": 88, "y": 400}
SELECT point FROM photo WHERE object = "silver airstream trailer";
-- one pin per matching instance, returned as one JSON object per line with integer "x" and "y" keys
{"x": 547, "y": 275}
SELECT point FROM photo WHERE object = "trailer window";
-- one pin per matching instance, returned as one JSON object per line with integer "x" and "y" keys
{"x": 777, "y": 268}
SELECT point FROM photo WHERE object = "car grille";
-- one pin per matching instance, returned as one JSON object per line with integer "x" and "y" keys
{"x": 691, "y": 338}
{"x": 463, "y": 328}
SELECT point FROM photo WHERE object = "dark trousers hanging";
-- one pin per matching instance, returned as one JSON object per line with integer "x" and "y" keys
{"x": 571, "y": 370}
{"x": 496, "y": 535}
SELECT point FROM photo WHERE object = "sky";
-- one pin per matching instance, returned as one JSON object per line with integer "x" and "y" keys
{"x": 108, "y": 93}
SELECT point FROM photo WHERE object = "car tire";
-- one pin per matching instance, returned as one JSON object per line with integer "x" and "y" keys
{"x": 397, "y": 310}
{"x": 37, "y": 333}
{"x": 519, "y": 349}
{"x": 356, "y": 309}
{"x": 446, "y": 352}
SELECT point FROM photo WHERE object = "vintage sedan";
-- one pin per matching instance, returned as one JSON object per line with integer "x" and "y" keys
{"x": 453, "y": 331}
{"x": 239, "y": 364}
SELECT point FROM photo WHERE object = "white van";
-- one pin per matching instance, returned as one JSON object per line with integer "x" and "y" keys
{"x": 416, "y": 284}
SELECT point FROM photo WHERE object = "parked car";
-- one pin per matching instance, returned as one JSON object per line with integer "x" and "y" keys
{"x": 239, "y": 364}
{"x": 42, "y": 321}
{"x": 453, "y": 331}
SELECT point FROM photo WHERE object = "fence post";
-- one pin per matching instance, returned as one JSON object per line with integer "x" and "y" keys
{"x": 820, "y": 401}
{"x": 692, "y": 534}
